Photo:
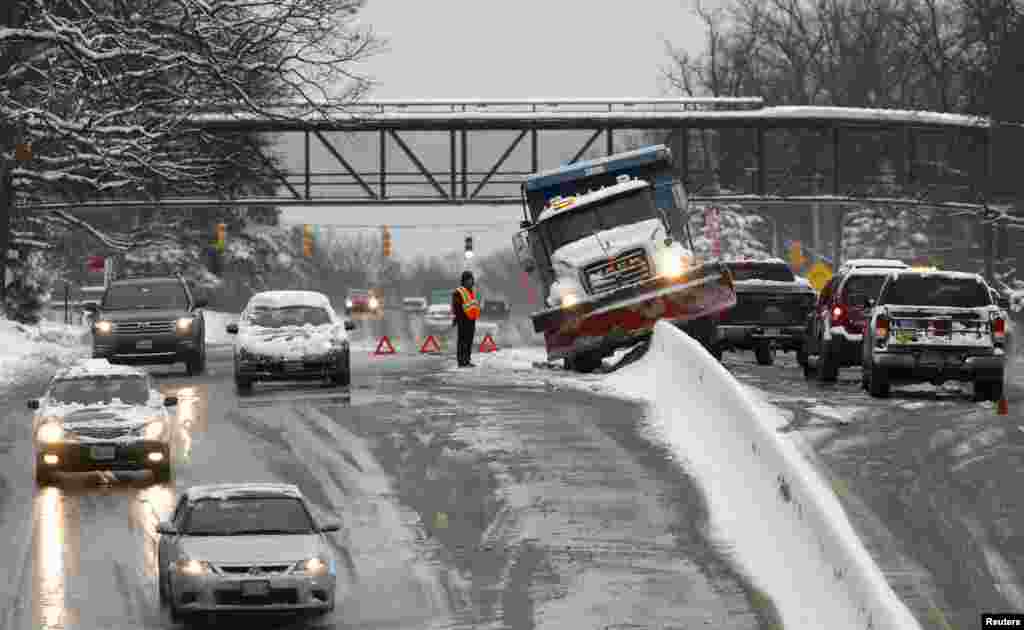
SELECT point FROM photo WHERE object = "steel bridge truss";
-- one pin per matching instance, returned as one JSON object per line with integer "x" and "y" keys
{"x": 452, "y": 152}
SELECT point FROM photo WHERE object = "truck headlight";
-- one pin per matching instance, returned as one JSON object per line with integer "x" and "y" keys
{"x": 569, "y": 298}
{"x": 313, "y": 566}
{"x": 51, "y": 433}
{"x": 373, "y": 302}
{"x": 348, "y": 303}
{"x": 184, "y": 325}
{"x": 671, "y": 263}
{"x": 103, "y": 327}
{"x": 154, "y": 430}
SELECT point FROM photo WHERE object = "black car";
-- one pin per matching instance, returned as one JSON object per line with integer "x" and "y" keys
{"x": 771, "y": 310}
{"x": 150, "y": 320}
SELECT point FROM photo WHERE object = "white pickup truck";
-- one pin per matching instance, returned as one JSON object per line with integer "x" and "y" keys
{"x": 932, "y": 327}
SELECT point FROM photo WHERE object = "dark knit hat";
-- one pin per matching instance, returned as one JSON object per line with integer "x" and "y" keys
{"x": 467, "y": 275}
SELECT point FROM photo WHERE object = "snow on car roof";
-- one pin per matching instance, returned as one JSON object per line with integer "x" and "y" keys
{"x": 289, "y": 298}
{"x": 593, "y": 196}
{"x": 959, "y": 275}
{"x": 874, "y": 262}
{"x": 229, "y": 490}
{"x": 763, "y": 261}
{"x": 85, "y": 368}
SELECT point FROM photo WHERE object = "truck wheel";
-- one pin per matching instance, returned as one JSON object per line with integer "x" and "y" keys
{"x": 878, "y": 382}
{"x": 765, "y": 354}
{"x": 801, "y": 356}
{"x": 988, "y": 390}
{"x": 828, "y": 367}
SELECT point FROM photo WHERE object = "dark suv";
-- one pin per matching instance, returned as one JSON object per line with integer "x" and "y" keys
{"x": 835, "y": 329}
{"x": 150, "y": 320}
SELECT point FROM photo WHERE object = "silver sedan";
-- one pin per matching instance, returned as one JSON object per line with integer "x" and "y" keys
{"x": 243, "y": 548}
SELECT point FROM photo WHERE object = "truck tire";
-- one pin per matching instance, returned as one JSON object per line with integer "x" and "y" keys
{"x": 765, "y": 354}
{"x": 828, "y": 366}
{"x": 584, "y": 363}
{"x": 878, "y": 382}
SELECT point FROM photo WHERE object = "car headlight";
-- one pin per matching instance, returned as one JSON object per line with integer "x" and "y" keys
{"x": 192, "y": 567}
{"x": 154, "y": 430}
{"x": 103, "y": 327}
{"x": 51, "y": 433}
{"x": 373, "y": 302}
{"x": 348, "y": 303}
{"x": 313, "y": 566}
{"x": 184, "y": 325}
{"x": 671, "y": 263}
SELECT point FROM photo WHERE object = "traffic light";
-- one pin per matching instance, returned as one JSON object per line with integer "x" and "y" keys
{"x": 307, "y": 240}
{"x": 386, "y": 241}
{"x": 221, "y": 239}
{"x": 796, "y": 256}
{"x": 469, "y": 247}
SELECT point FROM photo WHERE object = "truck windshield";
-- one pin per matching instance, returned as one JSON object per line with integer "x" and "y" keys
{"x": 573, "y": 225}
{"x": 162, "y": 295}
{"x": 915, "y": 290}
{"x": 773, "y": 272}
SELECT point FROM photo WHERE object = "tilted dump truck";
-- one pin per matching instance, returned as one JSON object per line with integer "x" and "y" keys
{"x": 606, "y": 240}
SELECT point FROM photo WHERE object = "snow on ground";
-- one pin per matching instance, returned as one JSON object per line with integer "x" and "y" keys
{"x": 34, "y": 351}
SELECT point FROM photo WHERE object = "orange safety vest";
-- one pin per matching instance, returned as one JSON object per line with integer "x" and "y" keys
{"x": 469, "y": 303}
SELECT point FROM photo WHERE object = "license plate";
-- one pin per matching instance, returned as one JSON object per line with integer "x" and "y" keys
{"x": 102, "y": 452}
{"x": 255, "y": 588}
{"x": 145, "y": 344}
{"x": 772, "y": 332}
{"x": 932, "y": 358}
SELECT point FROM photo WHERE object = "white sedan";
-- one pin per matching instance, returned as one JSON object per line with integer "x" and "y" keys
{"x": 290, "y": 336}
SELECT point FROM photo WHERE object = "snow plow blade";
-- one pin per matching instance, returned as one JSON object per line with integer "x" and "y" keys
{"x": 623, "y": 317}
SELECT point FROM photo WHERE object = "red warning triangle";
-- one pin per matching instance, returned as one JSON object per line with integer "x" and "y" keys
{"x": 430, "y": 342}
{"x": 384, "y": 342}
{"x": 488, "y": 345}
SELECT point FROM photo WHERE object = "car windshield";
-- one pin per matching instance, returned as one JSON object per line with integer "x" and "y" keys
{"x": 775, "y": 272}
{"x": 162, "y": 295}
{"x": 290, "y": 316}
{"x": 572, "y": 225}
{"x": 98, "y": 390}
{"x": 917, "y": 290}
{"x": 248, "y": 516}
{"x": 859, "y": 287}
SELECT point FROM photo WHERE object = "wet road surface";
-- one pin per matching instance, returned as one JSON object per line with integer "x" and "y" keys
{"x": 931, "y": 481}
{"x": 467, "y": 507}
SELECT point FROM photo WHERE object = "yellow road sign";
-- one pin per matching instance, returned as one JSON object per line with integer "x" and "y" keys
{"x": 819, "y": 275}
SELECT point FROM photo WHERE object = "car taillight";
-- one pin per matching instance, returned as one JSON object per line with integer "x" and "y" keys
{"x": 882, "y": 327}
{"x": 999, "y": 329}
{"x": 838, "y": 315}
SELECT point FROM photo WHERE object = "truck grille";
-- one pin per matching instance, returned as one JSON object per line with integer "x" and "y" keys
{"x": 626, "y": 269}
{"x": 101, "y": 433}
{"x": 143, "y": 328}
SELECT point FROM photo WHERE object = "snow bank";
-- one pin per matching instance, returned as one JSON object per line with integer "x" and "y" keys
{"x": 216, "y": 327}
{"x": 784, "y": 524}
{"x": 31, "y": 351}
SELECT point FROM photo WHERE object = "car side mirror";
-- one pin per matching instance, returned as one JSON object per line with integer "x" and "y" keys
{"x": 170, "y": 401}
{"x": 202, "y": 302}
{"x": 33, "y": 404}
{"x": 232, "y": 329}
{"x": 166, "y": 528}
{"x": 330, "y": 526}
{"x": 350, "y": 325}
{"x": 92, "y": 307}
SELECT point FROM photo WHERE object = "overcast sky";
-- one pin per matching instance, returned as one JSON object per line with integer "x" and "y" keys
{"x": 500, "y": 50}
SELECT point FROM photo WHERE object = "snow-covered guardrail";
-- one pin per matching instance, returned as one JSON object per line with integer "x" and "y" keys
{"x": 787, "y": 529}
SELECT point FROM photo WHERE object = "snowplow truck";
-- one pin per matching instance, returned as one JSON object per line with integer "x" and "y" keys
{"x": 608, "y": 242}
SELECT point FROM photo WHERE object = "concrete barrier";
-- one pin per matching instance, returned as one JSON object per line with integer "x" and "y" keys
{"x": 783, "y": 522}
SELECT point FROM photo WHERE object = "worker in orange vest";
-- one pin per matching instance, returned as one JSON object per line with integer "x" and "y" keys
{"x": 465, "y": 311}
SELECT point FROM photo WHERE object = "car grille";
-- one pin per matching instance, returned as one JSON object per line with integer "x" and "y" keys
{"x": 626, "y": 269}
{"x": 276, "y": 596}
{"x": 268, "y": 569}
{"x": 101, "y": 433}
{"x": 763, "y": 309}
{"x": 143, "y": 328}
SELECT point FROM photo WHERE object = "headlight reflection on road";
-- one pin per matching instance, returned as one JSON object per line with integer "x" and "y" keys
{"x": 152, "y": 505}
{"x": 55, "y": 546}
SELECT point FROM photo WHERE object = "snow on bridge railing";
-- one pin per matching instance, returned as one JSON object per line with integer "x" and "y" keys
{"x": 638, "y": 111}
